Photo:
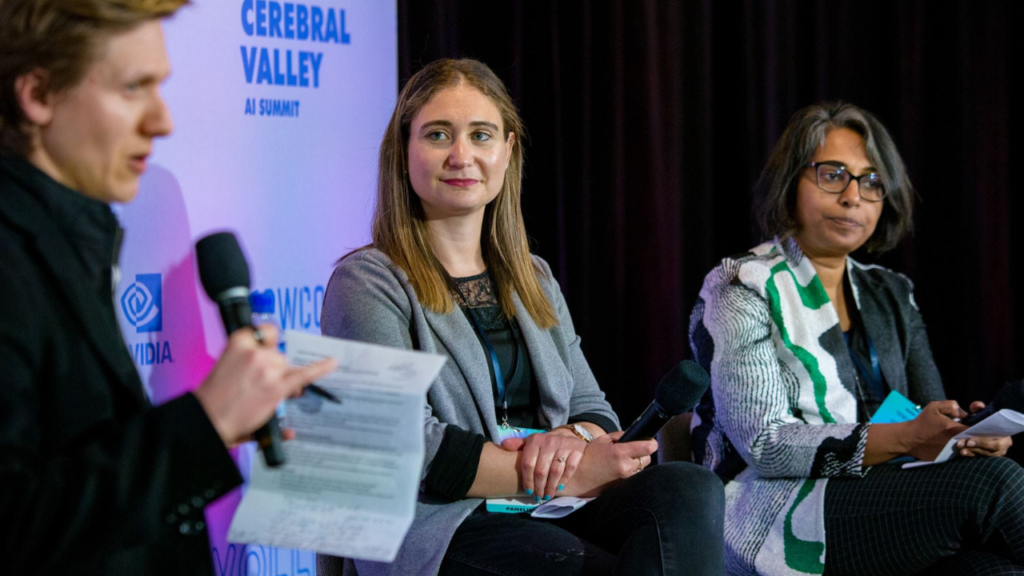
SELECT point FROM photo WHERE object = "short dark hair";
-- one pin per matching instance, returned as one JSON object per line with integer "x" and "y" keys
{"x": 64, "y": 38}
{"x": 775, "y": 192}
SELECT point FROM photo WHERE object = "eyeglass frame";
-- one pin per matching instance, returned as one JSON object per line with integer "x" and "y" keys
{"x": 885, "y": 191}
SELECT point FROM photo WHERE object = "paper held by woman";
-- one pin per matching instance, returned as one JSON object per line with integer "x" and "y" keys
{"x": 1006, "y": 422}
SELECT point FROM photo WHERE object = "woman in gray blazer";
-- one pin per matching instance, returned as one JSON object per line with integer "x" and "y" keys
{"x": 516, "y": 411}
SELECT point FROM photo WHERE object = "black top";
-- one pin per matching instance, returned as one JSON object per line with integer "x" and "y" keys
{"x": 480, "y": 305}
{"x": 454, "y": 467}
{"x": 871, "y": 387}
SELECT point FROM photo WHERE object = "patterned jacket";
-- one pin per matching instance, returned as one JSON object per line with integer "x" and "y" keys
{"x": 781, "y": 415}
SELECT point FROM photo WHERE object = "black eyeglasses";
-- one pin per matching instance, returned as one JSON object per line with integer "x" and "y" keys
{"x": 834, "y": 178}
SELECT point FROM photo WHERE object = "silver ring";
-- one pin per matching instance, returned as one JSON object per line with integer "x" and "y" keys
{"x": 562, "y": 459}
{"x": 257, "y": 335}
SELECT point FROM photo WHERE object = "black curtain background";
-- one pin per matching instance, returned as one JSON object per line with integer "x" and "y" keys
{"x": 648, "y": 123}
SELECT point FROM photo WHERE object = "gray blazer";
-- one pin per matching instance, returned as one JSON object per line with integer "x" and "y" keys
{"x": 371, "y": 300}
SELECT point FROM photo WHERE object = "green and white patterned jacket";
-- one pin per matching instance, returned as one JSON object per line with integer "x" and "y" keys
{"x": 781, "y": 415}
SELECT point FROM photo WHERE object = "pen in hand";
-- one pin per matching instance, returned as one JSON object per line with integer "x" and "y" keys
{"x": 313, "y": 388}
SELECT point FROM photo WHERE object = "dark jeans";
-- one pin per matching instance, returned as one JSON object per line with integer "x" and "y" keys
{"x": 665, "y": 520}
{"x": 962, "y": 517}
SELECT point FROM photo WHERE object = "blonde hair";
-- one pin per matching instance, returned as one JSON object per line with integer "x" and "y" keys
{"x": 399, "y": 227}
{"x": 64, "y": 38}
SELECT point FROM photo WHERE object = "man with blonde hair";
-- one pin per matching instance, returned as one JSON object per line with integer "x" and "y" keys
{"x": 94, "y": 480}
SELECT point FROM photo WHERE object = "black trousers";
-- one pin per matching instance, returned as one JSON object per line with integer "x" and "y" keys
{"x": 665, "y": 520}
{"x": 962, "y": 517}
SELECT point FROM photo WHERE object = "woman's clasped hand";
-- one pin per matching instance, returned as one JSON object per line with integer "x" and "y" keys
{"x": 559, "y": 463}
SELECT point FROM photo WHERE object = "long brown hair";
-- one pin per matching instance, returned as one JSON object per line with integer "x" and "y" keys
{"x": 399, "y": 226}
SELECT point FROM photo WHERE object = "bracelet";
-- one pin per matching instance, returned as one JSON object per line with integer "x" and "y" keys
{"x": 581, "y": 433}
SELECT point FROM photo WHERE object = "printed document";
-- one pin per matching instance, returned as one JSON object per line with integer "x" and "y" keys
{"x": 352, "y": 473}
{"x": 558, "y": 508}
{"x": 1005, "y": 422}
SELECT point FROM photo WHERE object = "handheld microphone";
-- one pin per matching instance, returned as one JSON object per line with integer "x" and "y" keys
{"x": 678, "y": 391}
{"x": 225, "y": 277}
{"x": 1010, "y": 396}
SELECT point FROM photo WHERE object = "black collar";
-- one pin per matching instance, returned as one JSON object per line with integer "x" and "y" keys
{"x": 73, "y": 238}
{"x": 88, "y": 225}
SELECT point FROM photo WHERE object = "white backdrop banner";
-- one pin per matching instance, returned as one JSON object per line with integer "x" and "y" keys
{"x": 279, "y": 108}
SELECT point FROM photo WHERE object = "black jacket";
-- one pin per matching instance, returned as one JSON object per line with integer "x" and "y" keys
{"x": 93, "y": 480}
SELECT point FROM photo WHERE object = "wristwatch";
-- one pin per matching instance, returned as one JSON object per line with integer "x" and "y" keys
{"x": 582, "y": 432}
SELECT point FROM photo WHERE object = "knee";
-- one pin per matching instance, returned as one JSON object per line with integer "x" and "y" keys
{"x": 689, "y": 474}
{"x": 690, "y": 489}
{"x": 1004, "y": 476}
{"x": 982, "y": 485}
{"x": 998, "y": 473}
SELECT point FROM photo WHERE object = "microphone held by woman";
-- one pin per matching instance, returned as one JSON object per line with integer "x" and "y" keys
{"x": 678, "y": 392}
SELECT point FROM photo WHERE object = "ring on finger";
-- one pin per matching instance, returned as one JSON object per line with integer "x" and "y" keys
{"x": 639, "y": 466}
{"x": 562, "y": 459}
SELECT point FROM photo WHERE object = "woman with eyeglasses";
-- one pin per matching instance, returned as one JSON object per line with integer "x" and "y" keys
{"x": 804, "y": 344}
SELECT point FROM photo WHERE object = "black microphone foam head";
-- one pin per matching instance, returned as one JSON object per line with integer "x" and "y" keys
{"x": 682, "y": 387}
{"x": 222, "y": 265}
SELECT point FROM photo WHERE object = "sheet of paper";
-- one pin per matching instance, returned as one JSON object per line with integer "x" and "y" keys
{"x": 517, "y": 505}
{"x": 1003, "y": 423}
{"x": 352, "y": 473}
{"x": 559, "y": 507}
{"x": 556, "y": 508}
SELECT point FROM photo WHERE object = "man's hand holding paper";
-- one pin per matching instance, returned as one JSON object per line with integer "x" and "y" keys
{"x": 353, "y": 472}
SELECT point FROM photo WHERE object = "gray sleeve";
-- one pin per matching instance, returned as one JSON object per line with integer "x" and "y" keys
{"x": 924, "y": 383}
{"x": 751, "y": 396}
{"x": 587, "y": 397}
{"x": 366, "y": 301}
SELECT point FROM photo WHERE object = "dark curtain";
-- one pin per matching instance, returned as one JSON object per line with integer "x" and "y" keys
{"x": 649, "y": 123}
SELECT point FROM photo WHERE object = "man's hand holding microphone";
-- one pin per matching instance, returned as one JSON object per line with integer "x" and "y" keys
{"x": 251, "y": 377}
{"x": 249, "y": 380}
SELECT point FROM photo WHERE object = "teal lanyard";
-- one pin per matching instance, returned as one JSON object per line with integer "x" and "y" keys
{"x": 502, "y": 385}
{"x": 500, "y": 382}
